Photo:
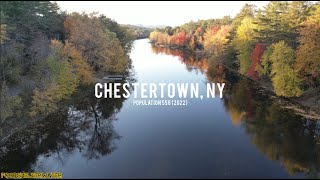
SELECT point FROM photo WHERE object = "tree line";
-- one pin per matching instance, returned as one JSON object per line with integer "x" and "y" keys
{"x": 46, "y": 54}
{"x": 280, "y": 134}
{"x": 279, "y": 43}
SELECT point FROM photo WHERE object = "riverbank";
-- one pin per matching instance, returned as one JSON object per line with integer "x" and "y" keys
{"x": 86, "y": 132}
{"x": 171, "y": 46}
{"x": 306, "y": 105}
{"x": 182, "y": 48}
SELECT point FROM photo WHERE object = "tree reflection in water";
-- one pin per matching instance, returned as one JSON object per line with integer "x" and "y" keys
{"x": 86, "y": 125}
{"x": 193, "y": 63}
{"x": 280, "y": 134}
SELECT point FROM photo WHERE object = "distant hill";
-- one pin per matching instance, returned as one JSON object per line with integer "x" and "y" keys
{"x": 151, "y": 26}
{"x": 140, "y": 31}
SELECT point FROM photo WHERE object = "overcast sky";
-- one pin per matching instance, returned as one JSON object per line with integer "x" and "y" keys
{"x": 158, "y": 13}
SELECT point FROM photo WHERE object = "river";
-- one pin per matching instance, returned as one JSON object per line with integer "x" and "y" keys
{"x": 246, "y": 134}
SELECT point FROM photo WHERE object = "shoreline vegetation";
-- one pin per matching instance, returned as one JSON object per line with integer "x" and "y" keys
{"x": 277, "y": 47}
{"x": 47, "y": 55}
{"x": 308, "y": 109}
{"x": 303, "y": 108}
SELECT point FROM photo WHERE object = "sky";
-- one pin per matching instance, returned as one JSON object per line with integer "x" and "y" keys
{"x": 172, "y": 13}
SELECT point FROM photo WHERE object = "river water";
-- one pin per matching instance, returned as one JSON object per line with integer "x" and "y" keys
{"x": 246, "y": 134}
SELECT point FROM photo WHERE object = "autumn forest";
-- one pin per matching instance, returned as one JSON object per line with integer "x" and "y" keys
{"x": 263, "y": 124}
{"x": 47, "y": 54}
{"x": 278, "y": 44}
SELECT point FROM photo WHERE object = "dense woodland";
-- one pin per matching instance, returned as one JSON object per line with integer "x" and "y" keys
{"x": 47, "y": 54}
{"x": 279, "y": 43}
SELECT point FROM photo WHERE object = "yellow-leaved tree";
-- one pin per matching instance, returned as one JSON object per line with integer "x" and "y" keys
{"x": 244, "y": 43}
{"x": 66, "y": 68}
{"x": 285, "y": 80}
{"x": 215, "y": 40}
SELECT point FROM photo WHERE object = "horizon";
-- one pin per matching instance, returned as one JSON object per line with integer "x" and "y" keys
{"x": 119, "y": 11}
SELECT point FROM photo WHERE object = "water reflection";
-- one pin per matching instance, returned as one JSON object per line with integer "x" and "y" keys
{"x": 192, "y": 141}
{"x": 85, "y": 126}
{"x": 192, "y": 62}
{"x": 278, "y": 133}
